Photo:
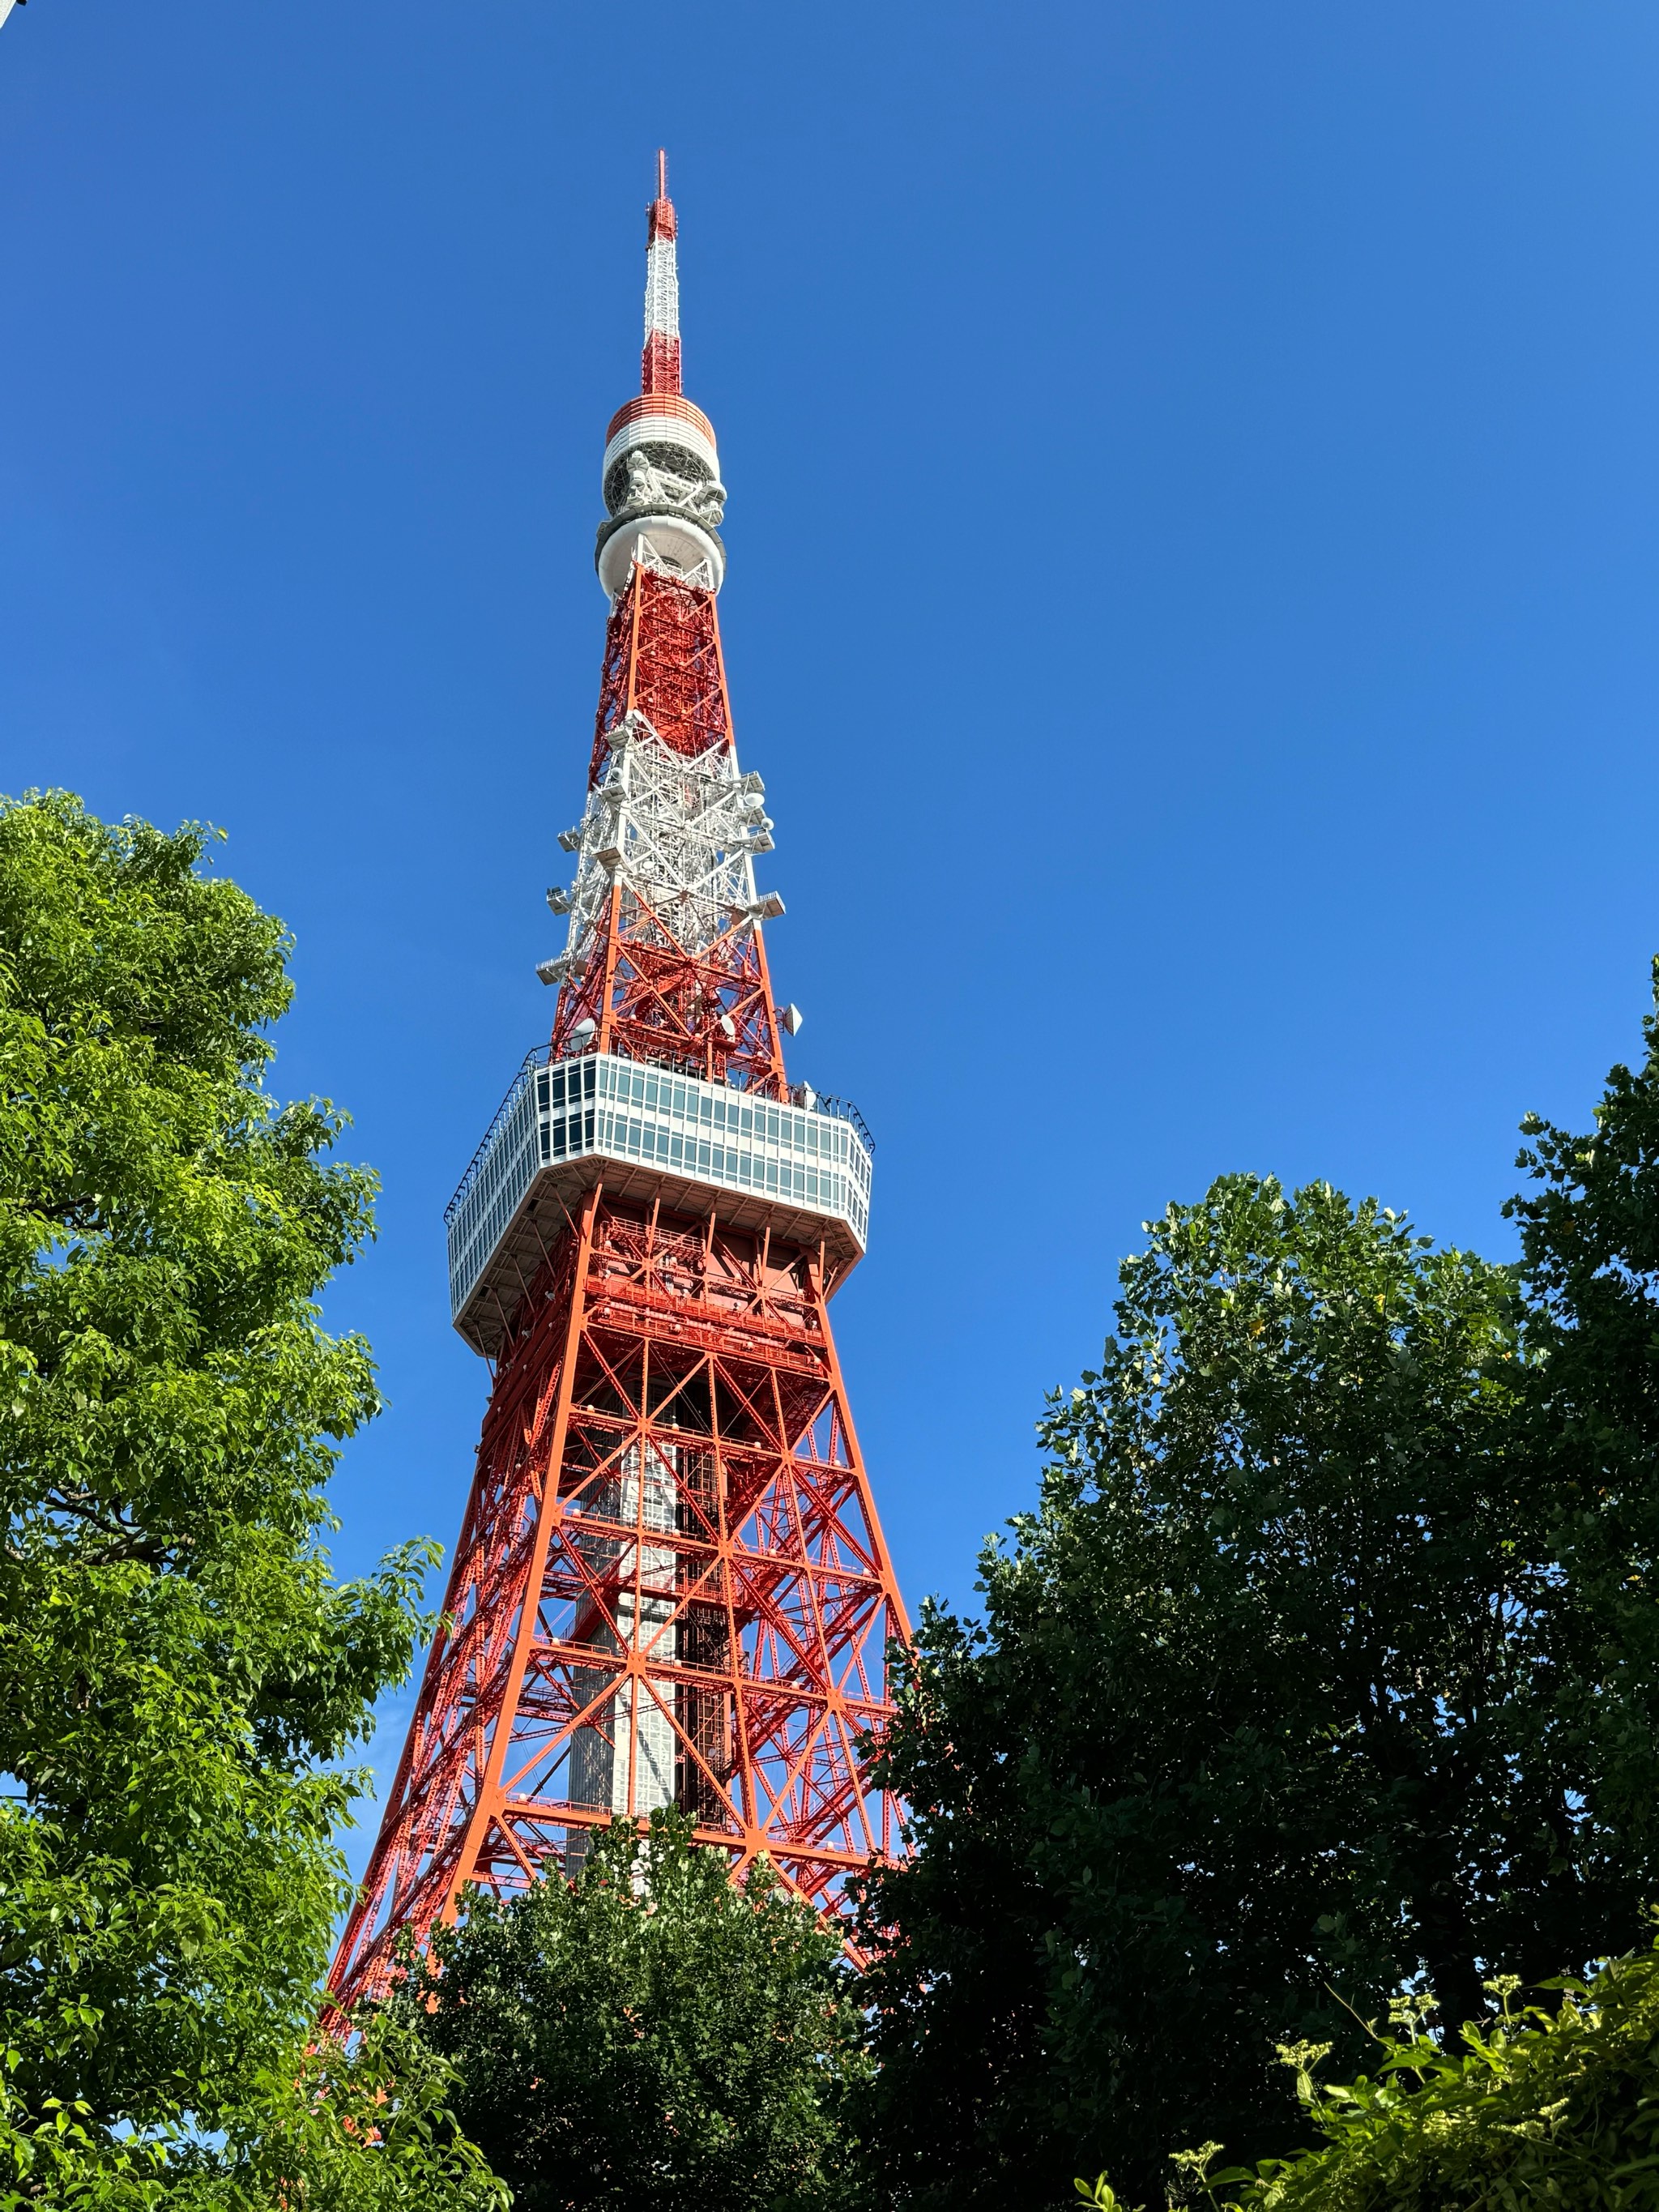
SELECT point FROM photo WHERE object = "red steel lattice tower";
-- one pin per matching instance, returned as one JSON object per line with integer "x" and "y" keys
{"x": 671, "y": 1585}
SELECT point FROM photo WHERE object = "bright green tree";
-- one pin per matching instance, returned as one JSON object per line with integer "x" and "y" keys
{"x": 1326, "y": 1663}
{"x": 1534, "y": 2104}
{"x": 647, "y": 2034}
{"x": 179, "y": 1670}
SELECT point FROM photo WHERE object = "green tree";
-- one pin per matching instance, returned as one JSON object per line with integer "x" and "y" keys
{"x": 179, "y": 1670}
{"x": 647, "y": 2032}
{"x": 1534, "y": 2106}
{"x": 1325, "y": 1664}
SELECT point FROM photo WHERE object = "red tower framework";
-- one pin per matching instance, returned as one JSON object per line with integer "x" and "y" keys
{"x": 671, "y": 1585}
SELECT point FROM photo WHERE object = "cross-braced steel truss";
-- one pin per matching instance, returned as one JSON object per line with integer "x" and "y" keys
{"x": 671, "y": 1587}
{"x": 664, "y": 959}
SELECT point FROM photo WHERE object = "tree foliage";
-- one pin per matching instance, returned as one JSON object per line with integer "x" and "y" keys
{"x": 1324, "y": 1665}
{"x": 645, "y": 2033}
{"x": 1536, "y": 2106}
{"x": 178, "y": 1668}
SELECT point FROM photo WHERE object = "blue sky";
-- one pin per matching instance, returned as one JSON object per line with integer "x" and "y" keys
{"x": 1193, "y": 560}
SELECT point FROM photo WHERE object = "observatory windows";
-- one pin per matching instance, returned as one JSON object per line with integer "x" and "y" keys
{"x": 568, "y": 1084}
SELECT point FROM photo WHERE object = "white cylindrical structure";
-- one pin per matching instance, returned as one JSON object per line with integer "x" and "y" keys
{"x": 659, "y": 418}
{"x": 672, "y": 539}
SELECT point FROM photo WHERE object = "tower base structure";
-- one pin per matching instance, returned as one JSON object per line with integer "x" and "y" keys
{"x": 670, "y": 1586}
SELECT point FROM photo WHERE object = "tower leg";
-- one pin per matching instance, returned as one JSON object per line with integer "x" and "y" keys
{"x": 672, "y": 1587}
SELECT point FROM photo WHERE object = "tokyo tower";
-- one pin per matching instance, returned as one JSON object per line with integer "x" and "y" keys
{"x": 670, "y": 1586}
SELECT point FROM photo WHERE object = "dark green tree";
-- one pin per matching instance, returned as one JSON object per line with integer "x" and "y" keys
{"x": 647, "y": 2033}
{"x": 179, "y": 1670}
{"x": 1324, "y": 1665}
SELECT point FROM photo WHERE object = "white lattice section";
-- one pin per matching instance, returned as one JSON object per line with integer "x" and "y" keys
{"x": 662, "y": 288}
{"x": 681, "y": 834}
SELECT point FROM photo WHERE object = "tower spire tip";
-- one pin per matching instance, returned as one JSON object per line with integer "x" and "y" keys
{"x": 659, "y": 370}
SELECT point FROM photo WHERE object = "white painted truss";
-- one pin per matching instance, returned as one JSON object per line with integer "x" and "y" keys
{"x": 662, "y": 289}
{"x": 679, "y": 835}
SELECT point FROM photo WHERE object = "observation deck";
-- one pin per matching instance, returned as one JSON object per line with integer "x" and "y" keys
{"x": 801, "y": 1171}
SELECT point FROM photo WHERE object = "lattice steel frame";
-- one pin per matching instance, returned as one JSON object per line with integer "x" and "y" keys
{"x": 670, "y": 1585}
{"x": 767, "y": 1608}
{"x": 665, "y": 957}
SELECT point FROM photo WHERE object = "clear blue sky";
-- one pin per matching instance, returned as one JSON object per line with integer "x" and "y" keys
{"x": 1194, "y": 532}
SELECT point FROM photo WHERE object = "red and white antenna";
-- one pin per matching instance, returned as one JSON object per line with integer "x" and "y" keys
{"x": 659, "y": 366}
{"x": 660, "y": 477}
